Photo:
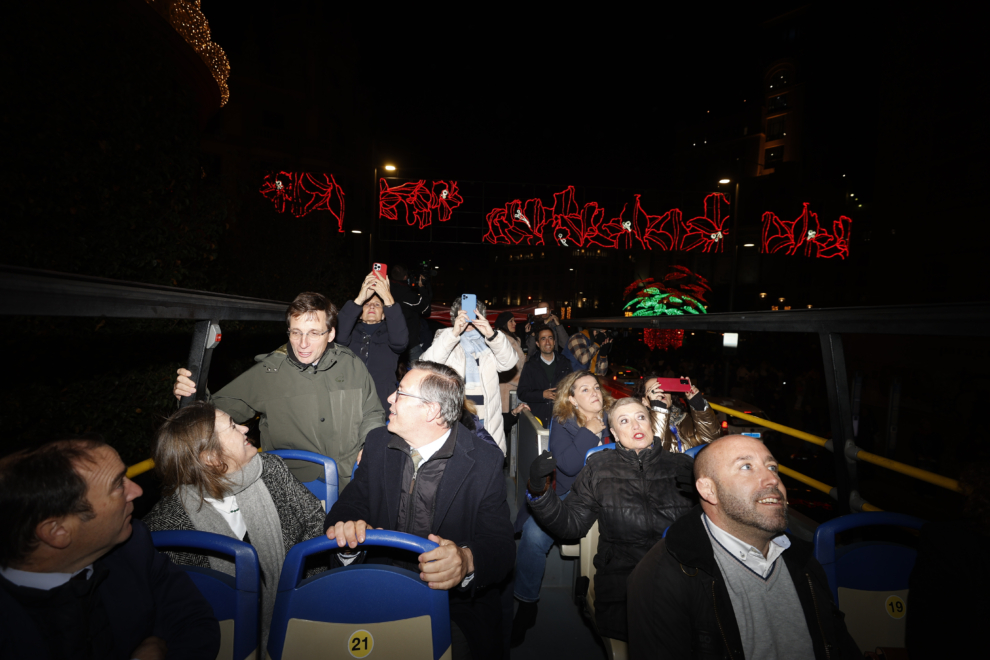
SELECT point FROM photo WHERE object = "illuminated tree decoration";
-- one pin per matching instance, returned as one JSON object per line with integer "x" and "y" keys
{"x": 300, "y": 193}
{"x": 804, "y": 235}
{"x": 681, "y": 292}
{"x": 418, "y": 203}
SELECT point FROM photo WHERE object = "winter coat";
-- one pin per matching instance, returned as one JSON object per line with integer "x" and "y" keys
{"x": 509, "y": 380}
{"x": 634, "y": 498}
{"x": 446, "y": 349}
{"x": 679, "y": 606}
{"x": 534, "y": 381}
{"x": 299, "y": 512}
{"x": 412, "y": 302}
{"x": 569, "y": 442}
{"x": 327, "y": 409}
{"x": 378, "y": 345}
{"x": 694, "y": 427}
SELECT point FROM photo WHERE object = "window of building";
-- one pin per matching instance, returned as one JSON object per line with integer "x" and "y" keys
{"x": 773, "y": 156}
{"x": 777, "y": 102}
{"x": 780, "y": 79}
{"x": 775, "y": 128}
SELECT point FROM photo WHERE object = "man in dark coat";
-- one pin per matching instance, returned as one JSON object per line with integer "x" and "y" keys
{"x": 427, "y": 475}
{"x": 727, "y": 582}
{"x": 540, "y": 375}
{"x": 380, "y": 336}
{"x": 78, "y": 577}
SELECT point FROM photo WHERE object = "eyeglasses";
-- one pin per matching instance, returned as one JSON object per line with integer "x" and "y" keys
{"x": 313, "y": 335}
{"x": 399, "y": 392}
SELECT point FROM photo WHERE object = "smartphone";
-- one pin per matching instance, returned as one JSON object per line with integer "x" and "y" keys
{"x": 674, "y": 384}
{"x": 469, "y": 302}
{"x": 540, "y": 311}
{"x": 380, "y": 269}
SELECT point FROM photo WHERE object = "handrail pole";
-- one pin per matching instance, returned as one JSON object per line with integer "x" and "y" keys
{"x": 839, "y": 409}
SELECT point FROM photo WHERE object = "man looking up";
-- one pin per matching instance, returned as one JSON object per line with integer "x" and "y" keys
{"x": 540, "y": 375}
{"x": 727, "y": 581}
{"x": 80, "y": 578}
{"x": 426, "y": 474}
{"x": 311, "y": 393}
{"x": 380, "y": 336}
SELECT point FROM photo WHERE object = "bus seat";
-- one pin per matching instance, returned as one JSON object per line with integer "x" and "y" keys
{"x": 693, "y": 451}
{"x": 869, "y": 581}
{"x": 595, "y": 450}
{"x": 325, "y": 489}
{"x": 235, "y": 600}
{"x": 385, "y": 609}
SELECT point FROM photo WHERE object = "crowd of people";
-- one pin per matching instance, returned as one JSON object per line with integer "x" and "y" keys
{"x": 80, "y": 578}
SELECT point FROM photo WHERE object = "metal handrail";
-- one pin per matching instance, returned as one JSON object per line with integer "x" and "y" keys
{"x": 853, "y": 452}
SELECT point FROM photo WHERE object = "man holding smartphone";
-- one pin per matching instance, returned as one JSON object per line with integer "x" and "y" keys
{"x": 543, "y": 318}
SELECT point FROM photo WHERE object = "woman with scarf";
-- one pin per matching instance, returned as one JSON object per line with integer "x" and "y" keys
{"x": 214, "y": 480}
{"x": 478, "y": 353}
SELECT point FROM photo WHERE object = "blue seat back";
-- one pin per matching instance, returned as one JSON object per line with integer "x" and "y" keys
{"x": 362, "y": 605}
{"x": 325, "y": 489}
{"x": 870, "y": 566}
{"x": 233, "y": 599}
{"x": 693, "y": 451}
{"x": 869, "y": 580}
{"x": 595, "y": 450}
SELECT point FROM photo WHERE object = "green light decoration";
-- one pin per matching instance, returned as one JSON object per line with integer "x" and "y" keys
{"x": 665, "y": 299}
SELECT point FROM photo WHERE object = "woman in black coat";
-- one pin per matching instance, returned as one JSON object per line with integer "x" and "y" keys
{"x": 631, "y": 492}
{"x": 373, "y": 326}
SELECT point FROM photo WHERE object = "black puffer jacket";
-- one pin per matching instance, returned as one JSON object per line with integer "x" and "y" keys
{"x": 378, "y": 345}
{"x": 634, "y": 499}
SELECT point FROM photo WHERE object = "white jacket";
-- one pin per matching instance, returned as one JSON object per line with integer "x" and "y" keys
{"x": 446, "y": 349}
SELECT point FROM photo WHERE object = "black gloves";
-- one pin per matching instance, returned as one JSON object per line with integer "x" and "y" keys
{"x": 697, "y": 402}
{"x": 542, "y": 467}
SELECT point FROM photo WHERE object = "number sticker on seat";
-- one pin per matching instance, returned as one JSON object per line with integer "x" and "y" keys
{"x": 896, "y": 607}
{"x": 360, "y": 643}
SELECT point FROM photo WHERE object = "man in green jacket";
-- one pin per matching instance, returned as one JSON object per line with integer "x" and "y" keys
{"x": 311, "y": 393}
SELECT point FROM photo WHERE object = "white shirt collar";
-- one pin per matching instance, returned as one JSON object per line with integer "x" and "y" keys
{"x": 553, "y": 356}
{"x": 749, "y": 555}
{"x": 43, "y": 581}
{"x": 427, "y": 450}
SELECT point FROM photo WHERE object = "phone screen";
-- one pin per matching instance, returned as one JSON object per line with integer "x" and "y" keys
{"x": 540, "y": 311}
{"x": 469, "y": 302}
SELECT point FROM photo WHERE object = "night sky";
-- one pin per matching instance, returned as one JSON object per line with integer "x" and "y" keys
{"x": 532, "y": 95}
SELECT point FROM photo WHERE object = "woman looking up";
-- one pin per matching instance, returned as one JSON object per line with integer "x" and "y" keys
{"x": 214, "y": 480}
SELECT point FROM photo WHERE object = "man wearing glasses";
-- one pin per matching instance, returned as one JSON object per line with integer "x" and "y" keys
{"x": 311, "y": 393}
{"x": 426, "y": 474}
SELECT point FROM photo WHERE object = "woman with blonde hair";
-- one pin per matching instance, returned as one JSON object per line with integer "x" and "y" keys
{"x": 214, "y": 480}
{"x": 632, "y": 493}
{"x": 579, "y": 423}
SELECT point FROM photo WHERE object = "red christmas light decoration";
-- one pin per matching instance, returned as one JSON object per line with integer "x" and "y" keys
{"x": 708, "y": 231}
{"x": 663, "y": 338}
{"x": 805, "y": 235}
{"x": 300, "y": 193}
{"x": 417, "y": 202}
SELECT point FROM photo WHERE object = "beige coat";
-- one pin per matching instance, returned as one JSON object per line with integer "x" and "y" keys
{"x": 446, "y": 349}
{"x": 508, "y": 381}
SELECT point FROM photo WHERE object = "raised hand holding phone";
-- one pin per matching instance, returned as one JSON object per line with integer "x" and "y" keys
{"x": 469, "y": 302}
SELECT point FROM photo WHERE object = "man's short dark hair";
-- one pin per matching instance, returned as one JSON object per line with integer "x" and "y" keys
{"x": 399, "y": 272}
{"x": 540, "y": 331}
{"x": 309, "y": 302}
{"x": 39, "y": 484}
{"x": 443, "y": 385}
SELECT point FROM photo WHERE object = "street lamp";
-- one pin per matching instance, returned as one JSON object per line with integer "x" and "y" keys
{"x": 723, "y": 180}
{"x": 390, "y": 168}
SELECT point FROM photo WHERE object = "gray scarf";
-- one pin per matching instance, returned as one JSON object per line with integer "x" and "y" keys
{"x": 263, "y": 527}
{"x": 474, "y": 345}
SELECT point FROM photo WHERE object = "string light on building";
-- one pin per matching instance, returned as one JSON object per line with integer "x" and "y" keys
{"x": 187, "y": 18}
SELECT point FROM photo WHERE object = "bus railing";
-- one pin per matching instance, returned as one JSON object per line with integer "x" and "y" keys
{"x": 852, "y": 451}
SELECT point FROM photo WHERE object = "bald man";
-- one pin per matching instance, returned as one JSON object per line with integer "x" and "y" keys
{"x": 727, "y": 581}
